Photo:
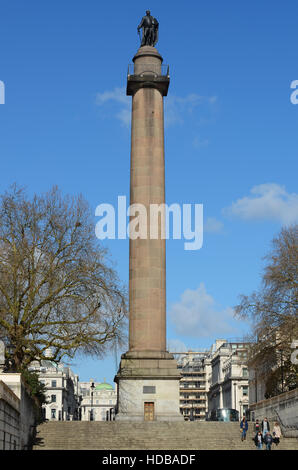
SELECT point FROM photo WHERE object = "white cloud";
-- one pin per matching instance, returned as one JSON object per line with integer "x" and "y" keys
{"x": 212, "y": 225}
{"x": 118, "y": 95}
{"x": 175, "y": 106}
{"x": 268, "y": 201}
{"x": 196, "y": 314}
{"x": 124, "y": 116}
{"x": 175, "y": 345}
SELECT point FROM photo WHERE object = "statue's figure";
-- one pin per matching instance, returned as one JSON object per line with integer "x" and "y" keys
{"x": 150, "y": 30}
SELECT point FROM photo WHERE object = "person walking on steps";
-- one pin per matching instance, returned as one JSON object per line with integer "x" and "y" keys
{"x": 268, "y": 439}
{"x": 276, "y": 433}
{"x": 259, "y": 440}
{"x": 257, "y": 426}
{"x": 265, "y": 427}
{"x": 243, "y": 428}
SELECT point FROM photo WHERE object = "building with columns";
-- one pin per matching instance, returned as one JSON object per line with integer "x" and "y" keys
{"x": 229, "y": 377}
{"x": 98, "y": 401}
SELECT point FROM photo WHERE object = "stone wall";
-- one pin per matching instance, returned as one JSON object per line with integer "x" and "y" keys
{"x": 29, "y": 415}
{"x": 9, "y": 419}
{"x": 282, "y": 408}
{"x": 19, "y": 412}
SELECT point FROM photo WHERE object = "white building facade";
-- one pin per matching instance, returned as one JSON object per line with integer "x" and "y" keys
{"x": 229, "y": 378}
{"x": 62, "y": 391}
{"x": 98, "y": 401}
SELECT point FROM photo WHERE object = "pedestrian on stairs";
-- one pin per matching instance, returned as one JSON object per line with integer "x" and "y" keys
{"x": 276, "y": 434}
{"x": 257, "y": 426}
{"x": 259, "y": 440}
{"x": 265, "y": 427}
{"x": 268, "y": 439}
{"x": 244, "y": 428}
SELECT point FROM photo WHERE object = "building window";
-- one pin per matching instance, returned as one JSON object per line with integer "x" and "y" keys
{"x": 53, "y": 398}
{"x": 54, "y": 383}
{"x": 53, "y": 413}
{"x": 245, "y": 391}
{"x": 245, "y": 372}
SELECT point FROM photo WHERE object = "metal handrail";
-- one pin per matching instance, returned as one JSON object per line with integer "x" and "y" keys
{"x": 285, "y": 426}
{"x": 164, "y": 70}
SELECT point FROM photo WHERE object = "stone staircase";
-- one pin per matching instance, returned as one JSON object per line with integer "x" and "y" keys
{"x": 199, "y": 435}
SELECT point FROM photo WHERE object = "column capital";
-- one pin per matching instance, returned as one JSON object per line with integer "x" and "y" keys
{"x": 148, "y": 72}
{"x": 135, "y": 82}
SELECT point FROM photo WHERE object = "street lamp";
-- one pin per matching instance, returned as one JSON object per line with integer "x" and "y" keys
{"x": 235, "y": 385}
{"x": 92, "y": 386}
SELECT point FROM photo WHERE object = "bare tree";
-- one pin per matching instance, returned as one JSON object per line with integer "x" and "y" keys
{"x": 57, "y": 291}
{"x": 273, "y": 311}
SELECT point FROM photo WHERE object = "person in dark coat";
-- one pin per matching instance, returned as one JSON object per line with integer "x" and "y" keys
{"x": 259, "y": 440}
{"x": 268, "y": 439}
{"x": 265, "y": 426}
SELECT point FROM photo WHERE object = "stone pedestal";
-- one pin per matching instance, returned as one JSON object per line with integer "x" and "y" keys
{"x": 147, "y": 372}
{"x": 148, "y": 377}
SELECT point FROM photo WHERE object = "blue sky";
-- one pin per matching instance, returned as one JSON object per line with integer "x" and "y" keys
{"x": 231, "y": 134}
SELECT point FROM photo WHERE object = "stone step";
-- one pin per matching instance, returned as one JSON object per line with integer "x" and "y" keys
{"x": 200, "y": 435}
{"x": 154, "y": 446}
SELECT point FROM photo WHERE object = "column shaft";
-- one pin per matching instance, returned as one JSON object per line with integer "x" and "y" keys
{"x": 147, "y": 289}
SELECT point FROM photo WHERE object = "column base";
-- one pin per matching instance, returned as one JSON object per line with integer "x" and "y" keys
{"x": 148, "y": 387}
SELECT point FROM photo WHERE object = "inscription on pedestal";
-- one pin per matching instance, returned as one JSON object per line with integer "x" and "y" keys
{"x": 149, "y": 389}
